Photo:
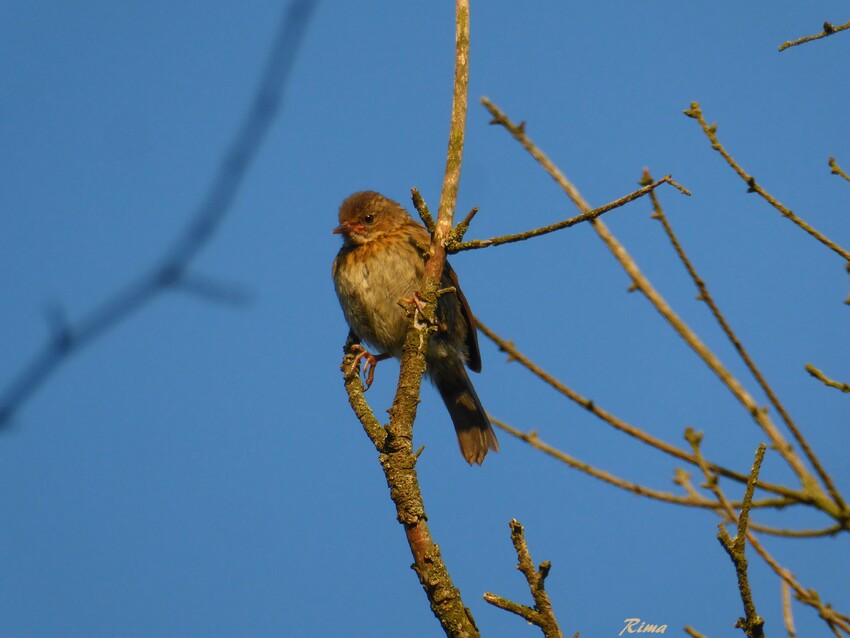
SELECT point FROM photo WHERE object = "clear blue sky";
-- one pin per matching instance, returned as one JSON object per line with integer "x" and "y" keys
{"x": 198, "y": 472}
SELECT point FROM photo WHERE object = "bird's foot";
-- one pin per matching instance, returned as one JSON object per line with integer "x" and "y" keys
{"x": 369, "y": 366}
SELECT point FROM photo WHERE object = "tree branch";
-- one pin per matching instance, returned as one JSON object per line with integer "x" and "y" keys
{"x": 640, "y": 282}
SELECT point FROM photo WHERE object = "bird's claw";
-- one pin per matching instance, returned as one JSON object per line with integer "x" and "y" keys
{"x": 369, "y": 367}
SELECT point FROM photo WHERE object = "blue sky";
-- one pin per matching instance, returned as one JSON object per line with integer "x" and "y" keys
{"x": 197, "y": 471}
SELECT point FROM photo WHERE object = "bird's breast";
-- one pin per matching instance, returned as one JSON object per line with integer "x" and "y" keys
{"x": 370, "y": 280}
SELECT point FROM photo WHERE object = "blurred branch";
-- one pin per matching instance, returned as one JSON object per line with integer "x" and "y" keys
{"x": 828, "y": 29}
{"x": 455, "y": 247}
{"x": 171, "y": 270}
{"x": 693, "y": 633}
{"x": 820, "y": 376}
{"x": 705, "y": 296}
{"x": 710, "y": 131}
{"x": 796, "y": 533}
{"x": 837, "y": 170}
{"x": 542, "y": 614}
{"x": 787, "y": 614}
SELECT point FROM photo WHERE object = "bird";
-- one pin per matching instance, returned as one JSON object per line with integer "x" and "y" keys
{"x": 381, "y": 261}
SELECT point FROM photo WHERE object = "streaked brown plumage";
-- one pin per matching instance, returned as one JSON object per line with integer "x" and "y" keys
{"x": 382, "y": 261}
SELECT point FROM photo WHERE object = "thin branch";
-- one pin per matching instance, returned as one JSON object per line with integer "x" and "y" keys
{"x": 591, "y": 406}
{"x": 172, "y": 266}
{"x": 693, "y": 500}
{"x": 796, "y": 533}
{"x": 710, "y": 131}
{"x": 682, "y": 478}
{"x": 542, "y": 614}
{"x": 572, "y": 221}
{"x": 693, "y": 633}
{"x": 705, "y": 296}
{"x": 454, "y": 155}
{"x": 837, "y": 170}
{"x": 828, "y": 30}
{"x": 820, "y": 376}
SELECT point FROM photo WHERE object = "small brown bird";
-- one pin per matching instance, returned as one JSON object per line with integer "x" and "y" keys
{"x": 381, "y": 261}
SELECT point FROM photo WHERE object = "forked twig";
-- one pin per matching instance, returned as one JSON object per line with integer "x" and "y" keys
{"x": 542, "y": 613}
{"x": 752, "y": 624}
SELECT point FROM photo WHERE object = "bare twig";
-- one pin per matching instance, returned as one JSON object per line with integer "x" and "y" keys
{"x": 820, "y": 376}
{"x": 542, "y": 614}
{"x": 694, "y": 499}
{"x": 837, "y": 170}
{"x": 693, "y": 633}
{"x": 787, "y": 613}
{"x": 171, "y": 270}
{"x": 795, "y": 533}
{"x": 828, "y": 30}
{"x": 572, "y": 221}
{"x": 710, "y": 131}
{"x": 705, "y": 296}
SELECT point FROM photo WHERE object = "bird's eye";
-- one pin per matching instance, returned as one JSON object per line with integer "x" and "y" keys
{"x": 369, "y": 218}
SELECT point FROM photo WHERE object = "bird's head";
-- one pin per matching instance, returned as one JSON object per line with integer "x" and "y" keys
{"x": 367, "y": 215}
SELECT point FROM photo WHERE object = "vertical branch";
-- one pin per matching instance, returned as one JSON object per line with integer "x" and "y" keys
{"x": 752, "y": 623}
{"x": 454, "y": 155}
{"x": 396, "y": 450}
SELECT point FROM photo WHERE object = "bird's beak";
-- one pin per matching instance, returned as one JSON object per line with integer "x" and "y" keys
{"x": 346, "y": 228}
